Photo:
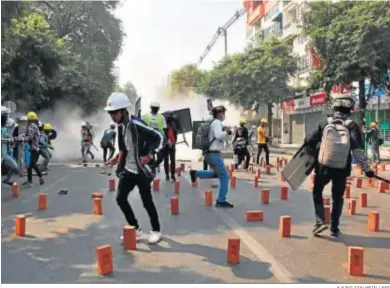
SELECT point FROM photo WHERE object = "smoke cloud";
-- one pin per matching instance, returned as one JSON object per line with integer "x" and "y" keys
{"x": 67, "y": 120}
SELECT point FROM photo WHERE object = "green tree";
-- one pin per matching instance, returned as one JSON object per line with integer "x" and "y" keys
{"x": 185, "y": 80}
{"x": 59, "y": 50}
{"x": 258, "y": 75}
{"x": 353, "y": 39}
{"x": 30, "y": 60}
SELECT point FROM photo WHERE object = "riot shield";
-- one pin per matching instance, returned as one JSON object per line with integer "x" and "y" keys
{"x": 181, "y": 121}
{"x": 299, "y": 167}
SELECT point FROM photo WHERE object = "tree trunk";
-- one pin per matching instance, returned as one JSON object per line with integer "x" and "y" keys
{"x": 270, "y": 105}
{"x": 362, "y": 100}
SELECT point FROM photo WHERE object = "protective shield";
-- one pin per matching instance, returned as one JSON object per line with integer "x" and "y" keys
{"x": 137, "y": 107}
{"x": 195, "y": 126}
{"x": 300, "y": 166}
{"x": 181, "y": 121}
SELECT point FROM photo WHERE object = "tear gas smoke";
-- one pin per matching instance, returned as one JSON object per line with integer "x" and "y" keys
{"x": 67, "y": 120}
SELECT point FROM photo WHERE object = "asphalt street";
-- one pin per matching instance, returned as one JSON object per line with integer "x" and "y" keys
{"x": 60, "y": 243}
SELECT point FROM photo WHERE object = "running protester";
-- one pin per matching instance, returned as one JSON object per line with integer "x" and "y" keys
{"x": 215, "y": 137}
{"x": 138, "y": 145}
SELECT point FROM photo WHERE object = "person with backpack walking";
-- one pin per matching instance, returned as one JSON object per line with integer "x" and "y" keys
{"x": 239, "y": 148}
{"x": 138, "y": 144}
{"x": 332, "y": 143}
{"x": 108, "y": 142}
{"x": 374, "y": 140}
{"x": 210, "y": 136}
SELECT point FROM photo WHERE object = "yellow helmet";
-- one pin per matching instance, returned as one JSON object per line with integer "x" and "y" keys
{"x": 47, "y": 126}
{"x": 32, "y": 116}
{"x": 373, "y": 124}
{"x": 264, "y": 120}
{"x": 243, "y": 121}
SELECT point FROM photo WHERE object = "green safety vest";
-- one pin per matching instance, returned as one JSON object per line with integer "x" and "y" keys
{"x": 160, "y": 121}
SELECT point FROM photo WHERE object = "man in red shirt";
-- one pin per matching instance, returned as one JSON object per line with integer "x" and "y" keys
{"x": 170, "y": 153}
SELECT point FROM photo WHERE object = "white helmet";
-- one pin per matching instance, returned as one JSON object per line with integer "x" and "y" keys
{"x": 117, "y": 101}
{"x": 155, "y": 104}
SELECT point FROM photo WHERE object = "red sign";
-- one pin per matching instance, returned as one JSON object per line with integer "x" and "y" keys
{"x": 317, "y": 100}
{"x": 288, "y": 105}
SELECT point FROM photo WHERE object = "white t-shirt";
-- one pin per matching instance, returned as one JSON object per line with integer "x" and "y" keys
{"x": 131, "y": 165}
{"x": 216, "y": 131}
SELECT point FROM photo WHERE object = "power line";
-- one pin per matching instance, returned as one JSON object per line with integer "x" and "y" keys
{"x": 221, "y": 30}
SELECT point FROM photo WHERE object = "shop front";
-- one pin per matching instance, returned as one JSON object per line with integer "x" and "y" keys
{"x": 302, "y": 116}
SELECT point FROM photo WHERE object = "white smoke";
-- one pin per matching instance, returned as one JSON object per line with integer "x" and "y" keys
{"x": 67, "y": 119}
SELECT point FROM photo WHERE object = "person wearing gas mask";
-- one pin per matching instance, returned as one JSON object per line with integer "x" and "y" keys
{"x": 138, "y": 144}
{"x": 6, "y": 159}
{"x": 31, "y": 136}
{"x": 170, "y": 149}
{"x": 108, "y": 142}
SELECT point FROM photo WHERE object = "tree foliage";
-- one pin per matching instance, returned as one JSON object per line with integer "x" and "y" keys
{"x": 59, "y": 50}
{"x": 185, "y": 80}
{"x": 353, "y": 39}
{"x": 258, "y": 75}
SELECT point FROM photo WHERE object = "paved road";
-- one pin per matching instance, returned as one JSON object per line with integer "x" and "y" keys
{"x": 61, "y": 241}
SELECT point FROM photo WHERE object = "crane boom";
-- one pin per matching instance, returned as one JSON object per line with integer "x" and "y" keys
{"x": 221, "y": 30}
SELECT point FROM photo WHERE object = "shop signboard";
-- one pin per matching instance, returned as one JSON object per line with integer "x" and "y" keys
{"x": 318, "y": 99}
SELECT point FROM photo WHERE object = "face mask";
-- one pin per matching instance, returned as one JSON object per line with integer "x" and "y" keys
{"x": 222, "y": 118}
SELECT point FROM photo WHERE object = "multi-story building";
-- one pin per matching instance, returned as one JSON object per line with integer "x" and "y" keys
{"x": 283, "y": 20}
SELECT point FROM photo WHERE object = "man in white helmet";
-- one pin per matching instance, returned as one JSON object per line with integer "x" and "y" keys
{"x": 332, "y": 144}
{"x": 154, "y": 119}
{"x": 138, "y": 145}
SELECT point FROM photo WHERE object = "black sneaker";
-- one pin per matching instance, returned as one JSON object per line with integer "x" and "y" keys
{"x": 224, "y": 204}
{"x": 8, "y": 183}
{"x": 319, "y": 227}
{"x": 167, "y": 178}
{"x": 193, "y": 176}
{"x": 334, "y": 232}
{"x": 41, "y": 181}
{"x": 173, "y": 178}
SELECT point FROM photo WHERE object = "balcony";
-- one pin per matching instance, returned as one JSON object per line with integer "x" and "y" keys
{"x": 290, "y": 30}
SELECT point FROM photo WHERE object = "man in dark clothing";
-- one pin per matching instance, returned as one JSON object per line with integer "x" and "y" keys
{"x": 243, "y": 133}
{"x": 170, "y": 148}
{"x": 324, "y": 174}
{"x": 138, "y": 144}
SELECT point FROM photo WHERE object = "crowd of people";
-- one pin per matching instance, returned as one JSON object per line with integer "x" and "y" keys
{"x": 147, "y": 141}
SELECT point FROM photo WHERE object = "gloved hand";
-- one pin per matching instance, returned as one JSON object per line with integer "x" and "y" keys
{"x": 370, "y": 174}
